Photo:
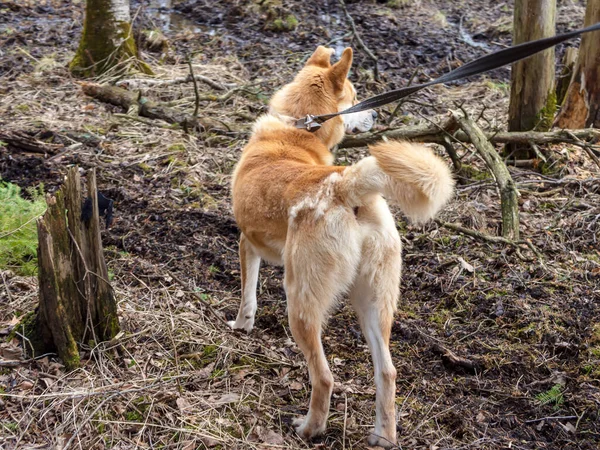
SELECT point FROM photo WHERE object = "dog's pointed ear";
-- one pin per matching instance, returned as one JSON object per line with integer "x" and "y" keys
{"x": 321, "y": 57}
{"x": 339, "y": 71}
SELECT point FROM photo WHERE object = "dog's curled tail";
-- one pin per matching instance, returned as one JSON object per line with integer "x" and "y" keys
{"x": 407, "y": 174}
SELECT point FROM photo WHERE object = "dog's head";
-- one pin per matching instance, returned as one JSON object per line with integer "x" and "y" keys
{"x": 323, "y": 88}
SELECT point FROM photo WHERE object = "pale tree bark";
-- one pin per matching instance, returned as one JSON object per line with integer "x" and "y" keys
{"x": 581, "y": 107}
{"x": 532, "y": 97}
{"x": 107, "y": 40}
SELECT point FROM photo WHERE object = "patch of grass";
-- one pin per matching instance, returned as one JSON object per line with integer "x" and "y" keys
{"x": 18, "y": 232}
{"x": 499, "y": 86}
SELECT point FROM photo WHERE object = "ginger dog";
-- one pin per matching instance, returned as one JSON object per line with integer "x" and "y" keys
{"x": 330, "y": 226}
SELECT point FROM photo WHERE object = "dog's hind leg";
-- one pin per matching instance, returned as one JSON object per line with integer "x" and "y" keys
{"x": 249, "y": 264}
{"x": 374, "y": 297}
{"x": 320, "y": 263}
{"x": 307, "y": 335}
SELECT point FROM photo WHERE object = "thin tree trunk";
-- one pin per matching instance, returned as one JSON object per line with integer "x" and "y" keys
{"x": 508, "y": 192}
{"x": 532, "y": 97}
{"x": 76, "y": 300}
{"x": 581, "y": 107}
{"x": 107, "y": 40}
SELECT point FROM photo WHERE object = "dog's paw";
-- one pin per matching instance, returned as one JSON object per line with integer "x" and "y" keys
{"x": 236, "y": 327}
{"x": 376, "y": 440}
{"x": 306, "y": 430}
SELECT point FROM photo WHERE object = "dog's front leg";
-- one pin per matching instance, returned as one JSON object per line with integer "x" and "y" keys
{"x": 249, "y": 265}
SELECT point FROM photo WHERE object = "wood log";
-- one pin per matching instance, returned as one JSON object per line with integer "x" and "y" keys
{"x": 148, "y": 108}
{"x": 76, "y": 301}
{"x": 438, "y": 133}
{"x": 508, "y": 191}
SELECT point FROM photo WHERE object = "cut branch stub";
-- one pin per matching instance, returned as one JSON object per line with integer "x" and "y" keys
{"x": 76, "y": 300}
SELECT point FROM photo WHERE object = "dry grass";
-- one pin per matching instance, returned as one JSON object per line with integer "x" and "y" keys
{"x": 176, "y": 378}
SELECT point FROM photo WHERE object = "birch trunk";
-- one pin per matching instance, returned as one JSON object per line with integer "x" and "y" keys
{"x": 581, "y": 107}
{"x": 107, "y": 40}
{"x": 532, "y": 97}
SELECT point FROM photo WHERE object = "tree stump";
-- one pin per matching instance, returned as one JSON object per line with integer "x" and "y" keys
{"x": 581, "y": 106}
{"x": 76, "y": 301}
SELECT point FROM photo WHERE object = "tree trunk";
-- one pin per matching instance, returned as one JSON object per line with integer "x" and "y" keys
{"x": 581, "y": 107}
{"x": 564, "y": 79}
{"x": 532, "y": 97}
{"x": 107, "y": 40}
{"x": 76, "y": 300}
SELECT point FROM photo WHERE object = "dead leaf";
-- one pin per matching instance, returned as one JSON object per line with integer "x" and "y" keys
{"x": 209, "y": 442}
{"x": 296, "y": 386}
{"x": 183, "y": 404}
{"x": 232, "y": 397}
{"x": 25, "y": 385}
{"x": 465, "y": 265}
{"x": 568, "y": 427}
{"x": 273, "y": 438}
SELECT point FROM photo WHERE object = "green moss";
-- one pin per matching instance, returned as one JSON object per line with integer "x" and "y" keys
{"x": 396, "y": 4}
{"x": 176, "y": 147}
{"x": 279, "y": 25}
{"x": 472, "y": 173}
{"x": 545, "y": 117}
{"x": 145, "y": 167}
{"x": 105, "y": 44}
{"x": 134, "y": 416}
{"x": 18, "y": 231}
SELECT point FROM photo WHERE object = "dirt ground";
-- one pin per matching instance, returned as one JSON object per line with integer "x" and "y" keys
{"x": 176, "y": 377}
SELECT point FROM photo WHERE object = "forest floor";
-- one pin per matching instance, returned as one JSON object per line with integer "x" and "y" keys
{"x": 177, "y": 378}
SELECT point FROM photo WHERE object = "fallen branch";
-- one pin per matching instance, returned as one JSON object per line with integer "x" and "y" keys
{"x": 487, "y": 238}
{"x": 28, "y": 143}
{"x": 508, "y": 191}
{"x": 359, "y": 40}
{"x": 552, "y": 418}
{"x": 433, "y": 134}
{"x": 455, "y": 362}
{"x": 134, "y": 84}
{"x": 148, "y": 108}
{"x": 586, "y": 147}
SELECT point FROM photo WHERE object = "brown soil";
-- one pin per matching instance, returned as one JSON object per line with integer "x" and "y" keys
{"x": 177, "y": 378}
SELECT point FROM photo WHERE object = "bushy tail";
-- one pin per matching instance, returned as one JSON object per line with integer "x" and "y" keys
{"x": 407, "y": 174}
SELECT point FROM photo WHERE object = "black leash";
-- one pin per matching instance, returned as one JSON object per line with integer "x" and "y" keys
{"x": 481, "y": 65}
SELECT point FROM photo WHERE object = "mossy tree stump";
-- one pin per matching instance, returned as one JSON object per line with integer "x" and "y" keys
{"x": 107, "y": 40}
{"x": 77, "y": 303}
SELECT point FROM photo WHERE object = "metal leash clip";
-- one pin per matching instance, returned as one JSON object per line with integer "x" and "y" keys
{"x": 308, "y": 123}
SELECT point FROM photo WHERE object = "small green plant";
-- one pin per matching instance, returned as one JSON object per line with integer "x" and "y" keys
{"x": 553, "y": 396}
{"x": 11, "y": 426}
{"x": 18, "y": 232}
